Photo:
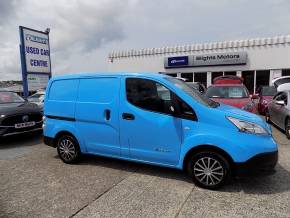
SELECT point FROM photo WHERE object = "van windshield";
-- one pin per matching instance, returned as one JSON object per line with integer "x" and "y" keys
{"x": 196, "y": 95}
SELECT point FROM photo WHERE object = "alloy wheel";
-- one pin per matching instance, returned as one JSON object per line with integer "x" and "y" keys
{"x": 67, "y": 149}
{"x": 208, "y": 171}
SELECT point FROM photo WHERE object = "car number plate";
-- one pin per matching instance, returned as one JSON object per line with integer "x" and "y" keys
{"x": 23, "y": 125}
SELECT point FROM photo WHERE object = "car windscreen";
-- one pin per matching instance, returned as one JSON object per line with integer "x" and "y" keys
{"x": 227, "y": 92}
{"x": 192, "y": 92}
{"x": 269, "y": 91}
{"x": 10, "y": 97}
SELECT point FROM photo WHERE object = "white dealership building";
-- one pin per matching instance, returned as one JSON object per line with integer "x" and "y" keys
{"x": 257, "y": 60}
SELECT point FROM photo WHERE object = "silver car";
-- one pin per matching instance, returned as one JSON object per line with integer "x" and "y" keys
{"x": 278, "y": 111}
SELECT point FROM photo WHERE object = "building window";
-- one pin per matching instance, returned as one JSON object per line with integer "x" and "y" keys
{"x": 248, "y": 77}
{"x": 201, "y": 78}
{"x": 215, "y": 74}
{"x": 232, "y": 73}
{"x": 172, "y": 74}
{"x": 262, "y": 78}
{"x": 188, "y": 76}
{"x": 285, "y": 72}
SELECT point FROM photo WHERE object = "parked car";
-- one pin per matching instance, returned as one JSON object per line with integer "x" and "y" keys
{"x": 182, "y": 79}
{"x": 231, "y": 90}
{"x": 37, "y": 98}
{"x": 17, "y": 115}
{"x": 279, "y": 111}
{"x": 265, "y": 94}
{"x": 198, "y": 86}
{"x": 154, "y": 119}
{"x": 282, "y": 83}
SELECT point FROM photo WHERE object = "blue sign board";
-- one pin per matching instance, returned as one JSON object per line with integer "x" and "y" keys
{"x": 35, "y": 56}
{"x": 177, "y": 61}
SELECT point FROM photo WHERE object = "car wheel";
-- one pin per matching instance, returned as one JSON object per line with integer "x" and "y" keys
{"x": 68, "y": 149}
{"x": 267, "y": 116}
{"x": 287, "y": 128}
{"x": 209, "y": 170}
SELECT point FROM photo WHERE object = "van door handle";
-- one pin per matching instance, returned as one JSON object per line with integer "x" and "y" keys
{"x": 127, "y": 116}
{"x": 107, "y": 114}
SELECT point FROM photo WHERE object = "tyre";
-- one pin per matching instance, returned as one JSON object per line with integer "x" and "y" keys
{"x": 209, "y": 170}
{"x": 267, "y": 117}
{"x": 287, "y": 128}
{"x": 68, "y": 149}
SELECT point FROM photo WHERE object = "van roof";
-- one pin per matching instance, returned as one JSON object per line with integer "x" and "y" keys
{"x": 102, "y": 74}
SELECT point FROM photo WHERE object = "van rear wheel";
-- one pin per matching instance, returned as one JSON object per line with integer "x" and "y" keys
{"x": 209, "y": 169}
{"x": 68, "y": 149}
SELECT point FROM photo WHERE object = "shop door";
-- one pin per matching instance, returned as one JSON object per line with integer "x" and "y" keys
{"x": 286, "y": 72}
{"x": 187, "y": 76}
{"x": 262, "y": 78}
{"x": 201, "y": 77}
{"x": 248, "y": 77}
{"x": 214, "y": 75}
{"x": 231, "y": 73}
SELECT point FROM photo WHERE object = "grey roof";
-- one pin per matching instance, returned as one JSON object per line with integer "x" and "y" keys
{"x": 201, "y": 47}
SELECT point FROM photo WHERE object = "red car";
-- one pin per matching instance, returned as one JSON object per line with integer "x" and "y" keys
{"x": 266, "y": 94}
{"x": 231, "y": 90}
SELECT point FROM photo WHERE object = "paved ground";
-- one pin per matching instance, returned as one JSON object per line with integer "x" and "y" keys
{"x": 35, "y": 183}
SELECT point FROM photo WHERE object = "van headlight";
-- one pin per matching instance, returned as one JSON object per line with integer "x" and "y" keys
{"x": 247, "y": 127}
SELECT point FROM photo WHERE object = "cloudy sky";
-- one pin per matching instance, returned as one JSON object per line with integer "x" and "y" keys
{"x": 83, "y": 32}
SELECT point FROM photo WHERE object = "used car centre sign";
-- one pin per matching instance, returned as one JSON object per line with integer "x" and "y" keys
{"x": 35, "y": 58}
{"x": 37, "y": 54}
{"x": 229, "y": 58}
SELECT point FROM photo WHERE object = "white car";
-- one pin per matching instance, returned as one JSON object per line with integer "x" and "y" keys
{"x": 282, "y": 83}
{"x": 37, "y": 98}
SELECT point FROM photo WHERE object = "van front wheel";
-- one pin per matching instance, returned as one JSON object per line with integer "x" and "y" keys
{"x": 68, "y": 149}
{"x": 209, "y": 169}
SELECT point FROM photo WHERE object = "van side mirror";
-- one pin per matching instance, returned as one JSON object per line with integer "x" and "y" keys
{"x": 280, "y": 102}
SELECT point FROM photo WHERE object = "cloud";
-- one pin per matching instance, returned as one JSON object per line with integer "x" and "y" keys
{"x": 78, "y": 28}
{"x": 7, "y": 8}
{"x": 83, "y": 32}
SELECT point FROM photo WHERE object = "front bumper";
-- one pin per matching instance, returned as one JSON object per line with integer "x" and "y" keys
{"x": 6, "y": 131}
{"x": 261, "y": 163}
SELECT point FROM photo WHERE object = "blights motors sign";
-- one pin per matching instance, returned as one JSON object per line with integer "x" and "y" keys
{"x": 37, "y": 52}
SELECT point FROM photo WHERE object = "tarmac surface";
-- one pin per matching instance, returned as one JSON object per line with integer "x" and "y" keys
{"x": 34, "y": 182}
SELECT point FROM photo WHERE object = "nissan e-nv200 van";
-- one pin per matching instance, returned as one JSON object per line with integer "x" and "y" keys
{"x": 155, "y": 119}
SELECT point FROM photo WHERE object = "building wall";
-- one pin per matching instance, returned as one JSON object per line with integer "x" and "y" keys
{"x": 263, "y": 54}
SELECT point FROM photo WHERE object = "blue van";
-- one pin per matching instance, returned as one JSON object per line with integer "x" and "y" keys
{"x": 156, "y": 119}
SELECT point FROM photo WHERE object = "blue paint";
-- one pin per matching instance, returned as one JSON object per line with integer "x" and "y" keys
{"x": 23, "y": 63}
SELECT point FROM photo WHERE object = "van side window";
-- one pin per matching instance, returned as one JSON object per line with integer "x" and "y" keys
{"x": 186, "y": 112}
{"x": 148, "y": 95}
